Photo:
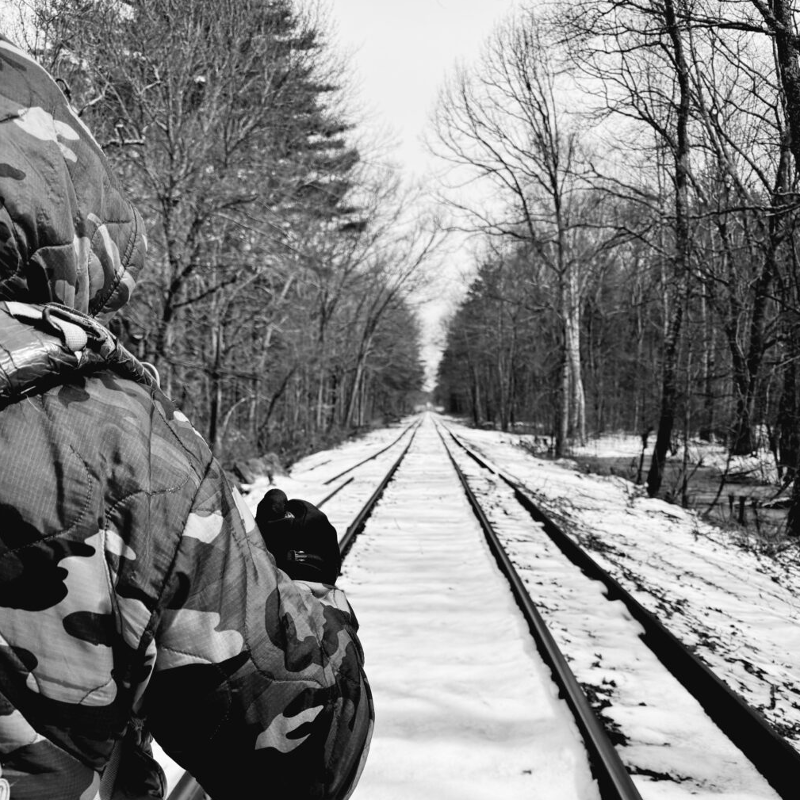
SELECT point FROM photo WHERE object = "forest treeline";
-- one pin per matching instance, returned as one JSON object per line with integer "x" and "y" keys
{"x": 274, "y": 303}
{"x": 638, "y": 264}
{"x": 639, "y": 269}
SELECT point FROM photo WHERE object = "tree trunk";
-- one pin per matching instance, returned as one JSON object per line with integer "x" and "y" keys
{"x": 669, "y": 402}
{"x": 215, "y": 403}
{"x": 789, "y": 73}
{"x": 669, "y": 391}
{"x": 788, "y": 422}
{"x": 793, "y": 518}
{"x": 562, "y": 427}
{"x": 577, "y": 402}
{"x": 707, "y": 366}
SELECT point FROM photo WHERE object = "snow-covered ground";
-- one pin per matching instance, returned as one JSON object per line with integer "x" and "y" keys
{"x": 738, "y": 608}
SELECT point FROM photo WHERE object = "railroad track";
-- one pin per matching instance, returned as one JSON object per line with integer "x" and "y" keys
{"x": 541, "y": 566}
{"x": 744, "y": 727}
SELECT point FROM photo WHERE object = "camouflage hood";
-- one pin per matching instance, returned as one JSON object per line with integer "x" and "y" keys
{"x": 67, "y": 233}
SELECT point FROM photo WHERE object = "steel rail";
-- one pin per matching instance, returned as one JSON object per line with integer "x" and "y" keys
{"x": 187, "y": 787}
{"x": 612, "y": 777}
{"x": 357, "y": 525}
{"x": 335, "y": 491}
{"x": 412, "y": 427}
{"x": 776, "y": 760}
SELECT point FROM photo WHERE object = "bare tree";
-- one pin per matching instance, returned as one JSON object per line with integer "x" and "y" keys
{"x": 225, "y": 122}
{"x": 508, "y": 122}
{"x": 212, "y": 112}
{"x": 637, "y": 53}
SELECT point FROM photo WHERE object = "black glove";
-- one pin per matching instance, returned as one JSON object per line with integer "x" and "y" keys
{"x": 301, "y": 538}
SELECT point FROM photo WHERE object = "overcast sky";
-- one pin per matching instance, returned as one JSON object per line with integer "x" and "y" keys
{"x": 401, "y": 55}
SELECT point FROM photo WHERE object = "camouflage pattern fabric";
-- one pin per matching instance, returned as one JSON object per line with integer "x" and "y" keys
{"x": 67, "y": 233}
{"x": 136, "y": 594}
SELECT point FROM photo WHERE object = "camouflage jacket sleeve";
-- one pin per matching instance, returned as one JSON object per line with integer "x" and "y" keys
{"x": 258, "y": 688}
{"x": 135, "y": 584}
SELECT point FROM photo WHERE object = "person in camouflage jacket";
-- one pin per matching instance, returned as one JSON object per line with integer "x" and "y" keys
{"x": 136, "y": 594}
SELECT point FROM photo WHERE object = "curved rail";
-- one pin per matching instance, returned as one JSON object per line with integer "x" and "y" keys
{"x": 769, "y": 752}
{"x": 612, "y": 777}
{"x": 357, "y": 525}
{"x": 412, "y": 427}
{"x": 335, "y": 491}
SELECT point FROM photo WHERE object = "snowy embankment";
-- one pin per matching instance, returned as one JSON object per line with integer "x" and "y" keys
{"x": 738, "y": 608}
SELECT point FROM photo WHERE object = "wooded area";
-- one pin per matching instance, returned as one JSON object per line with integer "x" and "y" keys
{"x": 640, "y": 267}
{"x": 275, "y": 302}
